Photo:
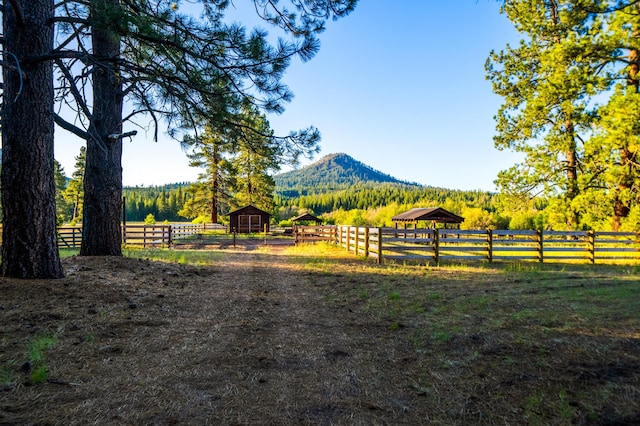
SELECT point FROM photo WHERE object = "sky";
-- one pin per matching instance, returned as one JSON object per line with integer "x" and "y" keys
{"x": 398, "y": 84}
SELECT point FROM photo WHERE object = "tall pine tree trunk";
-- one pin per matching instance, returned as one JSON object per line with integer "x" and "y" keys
{"x": 103, "y": 174}
{"x": 29, "y": 242}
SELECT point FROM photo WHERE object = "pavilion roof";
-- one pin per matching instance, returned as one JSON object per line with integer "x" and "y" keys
{"x": 306, "y": 216}
{"x": 437, "y": 214}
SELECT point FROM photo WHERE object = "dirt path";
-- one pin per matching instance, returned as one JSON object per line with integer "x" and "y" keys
{"x": 248, "y": 341}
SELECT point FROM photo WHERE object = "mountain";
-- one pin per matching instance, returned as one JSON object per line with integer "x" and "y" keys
{"x": 331, "y": 172}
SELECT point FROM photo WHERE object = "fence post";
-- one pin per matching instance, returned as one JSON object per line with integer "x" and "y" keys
{"x": 490, "y": 241}
{"x": 356, "y": 238}
{"x": 379, "y": 245}
{"x": 348, "y": 238}
{"x": 591, "y": 241}
{"x": 170, "y": 237}
{"x": 436, "y": 246}
{"x": 266, "y": 225}
{"x": 366, "y": 242}
{"x": 540, "y": 245}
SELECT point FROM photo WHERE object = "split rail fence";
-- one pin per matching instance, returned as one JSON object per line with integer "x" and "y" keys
{"x": 429, "y": 245}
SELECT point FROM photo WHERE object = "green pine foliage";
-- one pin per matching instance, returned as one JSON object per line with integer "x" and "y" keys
{"x": 570, "y": 91}
{"x": 163, "y": 202}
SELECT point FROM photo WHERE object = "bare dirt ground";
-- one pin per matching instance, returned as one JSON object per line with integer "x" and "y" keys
{"x": 256, "y": 338}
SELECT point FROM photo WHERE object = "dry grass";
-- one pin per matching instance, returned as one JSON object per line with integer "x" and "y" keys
{"x": 291, "y": 336}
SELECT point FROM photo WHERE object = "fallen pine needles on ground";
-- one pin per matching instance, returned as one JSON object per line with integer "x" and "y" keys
{"x": 310, "y": 336}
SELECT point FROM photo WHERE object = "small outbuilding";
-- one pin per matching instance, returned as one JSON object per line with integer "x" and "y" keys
{"x": 430, "y": 214}
{"x": 306, "y": 218}
{"x": 249, "y": 219}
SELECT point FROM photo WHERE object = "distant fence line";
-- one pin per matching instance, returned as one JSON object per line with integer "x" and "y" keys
{"x": 141, "y": 235}
{"x": 162, "y": 235}
{"x": 436, "y": 245}
{"x": 420, "y": 245}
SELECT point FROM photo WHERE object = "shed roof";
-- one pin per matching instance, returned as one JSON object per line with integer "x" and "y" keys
{"x": 306, "y": 216}
{"x": 249, "y": 209}
{"x": 437, "y": 214}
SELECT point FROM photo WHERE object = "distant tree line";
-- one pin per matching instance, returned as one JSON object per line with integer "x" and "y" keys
{"x": 365, "y": 196}
{"x": 163, "y": 202}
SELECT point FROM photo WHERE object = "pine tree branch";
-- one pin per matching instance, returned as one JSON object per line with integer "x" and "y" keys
{"x": 70, "y": 127}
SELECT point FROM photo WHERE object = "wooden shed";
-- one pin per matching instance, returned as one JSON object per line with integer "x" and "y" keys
{"x": 249, "y": 219}
{"x": 306, "y": 218}
{"x": 430, "y": 214}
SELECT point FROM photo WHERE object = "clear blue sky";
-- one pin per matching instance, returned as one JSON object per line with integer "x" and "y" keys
{"x": 399, "y": 85}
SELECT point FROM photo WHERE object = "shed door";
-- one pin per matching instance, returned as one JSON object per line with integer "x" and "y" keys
{"x": 249, "y": 223}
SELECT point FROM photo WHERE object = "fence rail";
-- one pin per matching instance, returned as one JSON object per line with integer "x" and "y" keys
{"x": 429, "y": 245}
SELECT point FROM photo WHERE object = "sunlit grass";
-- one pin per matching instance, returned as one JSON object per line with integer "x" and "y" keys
{"x": 68, "y": 252}
{"x": 192, "y": 257}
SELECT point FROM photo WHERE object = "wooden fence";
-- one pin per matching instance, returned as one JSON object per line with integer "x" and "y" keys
{"x": 165, "y": 235}
{"x": 429, "y": 245}
{"x": 69, "y": 236}
{"x": 138, "y": 235}
{"x": 310, "y": 234}
{"x": 147, "y": 235}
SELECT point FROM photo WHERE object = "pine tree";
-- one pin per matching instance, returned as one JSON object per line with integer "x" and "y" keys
{"x": 29, "y": 241}
{"x": 74, "y": 193}
{"x": 255, "y": 161}
{"x": 62, "y": 206}
{"x": 212, "y": 191}
{"x": 552, "y": 84}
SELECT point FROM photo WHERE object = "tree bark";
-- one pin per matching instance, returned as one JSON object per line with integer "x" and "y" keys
{"x": 102, "y": 233}
{"x": 29, "y": 241}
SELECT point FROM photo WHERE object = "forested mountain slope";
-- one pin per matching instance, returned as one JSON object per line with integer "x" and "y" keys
{"x": 331, "y": 172}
